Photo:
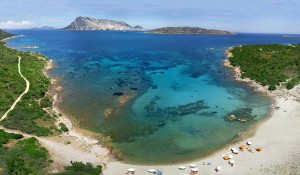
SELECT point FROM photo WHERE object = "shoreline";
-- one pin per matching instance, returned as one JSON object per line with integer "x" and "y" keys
{"x": 74, "y": 145}
{"x": 86, "y": 148}
{"x": 238, "y": 73}
{"x": 88, "y": 140}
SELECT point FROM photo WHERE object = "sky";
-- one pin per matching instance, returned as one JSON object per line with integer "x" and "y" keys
{"x": 249, "y": 16}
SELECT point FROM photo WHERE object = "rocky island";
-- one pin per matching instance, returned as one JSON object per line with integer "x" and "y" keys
{"x": 87, "y": 23}
{"x": 187, "y": 30}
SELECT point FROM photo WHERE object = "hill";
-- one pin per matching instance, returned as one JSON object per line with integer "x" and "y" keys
{"x": 4, "y": 34}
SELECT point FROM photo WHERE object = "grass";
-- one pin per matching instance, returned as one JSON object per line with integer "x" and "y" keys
{"x": 269, "y": 64}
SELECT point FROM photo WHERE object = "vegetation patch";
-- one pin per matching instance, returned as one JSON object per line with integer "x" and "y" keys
{"x": 31, "y": 107}
{"x": 22, "y": 156}
{"x": 79, "y": 168}
{"x": 269, "y": 64}
{"x": 4, "y": 34}
{"x": 63, "y": 127}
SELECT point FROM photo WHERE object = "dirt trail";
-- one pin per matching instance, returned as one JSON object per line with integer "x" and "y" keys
{"x": 20, "y": 97}
{"x": 79, "y": 147}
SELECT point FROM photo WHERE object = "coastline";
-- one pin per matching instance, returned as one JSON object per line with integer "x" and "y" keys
{"x": 87, "y": 144}
{"x": 74, "y": 145}
{"x": 238, "y": 73}
{"x": 270, "y": 134}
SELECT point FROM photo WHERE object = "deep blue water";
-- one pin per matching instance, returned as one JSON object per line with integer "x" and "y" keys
{"x": 160, "y": 98}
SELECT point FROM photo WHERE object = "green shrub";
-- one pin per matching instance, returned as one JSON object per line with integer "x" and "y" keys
{"x": 292, "y": 83}
{"x": 63, "y": 127}
{"x": 26, "y": 157}
{"x": 79, "y": 168}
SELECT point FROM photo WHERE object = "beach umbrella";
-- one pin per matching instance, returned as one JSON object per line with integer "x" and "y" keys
{"x": 131, "y": 170}
{"x": 232, "y": 149}
{"x": 218, "y": 168}
{"x": 226, "y": 157}
{"x": 152, "y": 171}
{"x": 259, "y": 149}
{"x": 182, "y": 167}
{"x": 194, "y": 169}
{"x": 231, "y": 161}
{"x": 159, "y": 173}
{"x": 193, "y": 165}
{"x": 230, "y": 156}
{"x": 249, "y": 143}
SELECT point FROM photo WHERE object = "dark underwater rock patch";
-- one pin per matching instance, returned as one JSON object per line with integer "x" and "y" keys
{"x": 118, "y": 94}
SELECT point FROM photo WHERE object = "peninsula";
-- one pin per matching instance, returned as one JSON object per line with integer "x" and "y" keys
{"x": 87, "y": 23}
{"x": 187, "y": 30}
{"x": 271, "y": 65}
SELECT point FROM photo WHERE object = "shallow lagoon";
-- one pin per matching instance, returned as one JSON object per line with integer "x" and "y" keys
{"x": 160, "y": 98}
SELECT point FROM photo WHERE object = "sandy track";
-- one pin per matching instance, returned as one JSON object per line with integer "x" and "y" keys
{"x": 20, "y": 97}
{"x": 81, "y": 147}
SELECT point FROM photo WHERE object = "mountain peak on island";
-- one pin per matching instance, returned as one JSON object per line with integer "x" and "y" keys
{"x": 187, "y": 30}
{"x": 88, "y": 23}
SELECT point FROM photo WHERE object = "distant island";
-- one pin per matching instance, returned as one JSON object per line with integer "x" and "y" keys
{"x": 87, "y": 23}
{"x": 43, "y": 28}
{"x": 187, "y": 30}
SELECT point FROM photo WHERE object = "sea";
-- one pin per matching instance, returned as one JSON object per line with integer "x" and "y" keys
{"x": 157, "y": 98}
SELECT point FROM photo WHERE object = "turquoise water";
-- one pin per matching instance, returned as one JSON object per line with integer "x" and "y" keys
{"x": 160, "y": 98}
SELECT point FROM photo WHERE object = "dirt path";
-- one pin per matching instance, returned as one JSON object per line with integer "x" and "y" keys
{"x": 67, "y": 147}
{"x": 19, "y": 98}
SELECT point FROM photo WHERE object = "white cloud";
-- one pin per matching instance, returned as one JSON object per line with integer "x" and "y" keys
{"x": 16, "y": 25}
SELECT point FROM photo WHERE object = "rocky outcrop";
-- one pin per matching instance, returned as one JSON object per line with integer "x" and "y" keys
{"x": 86, "y": 23}
{"x": 187, "y": 30}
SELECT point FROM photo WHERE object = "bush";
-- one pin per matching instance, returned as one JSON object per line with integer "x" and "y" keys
{"x": 63, "y": 127}
{"x": 79, "y": 168}
{"x": 272, "y": 87}
{"x": 292, "y": 83}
